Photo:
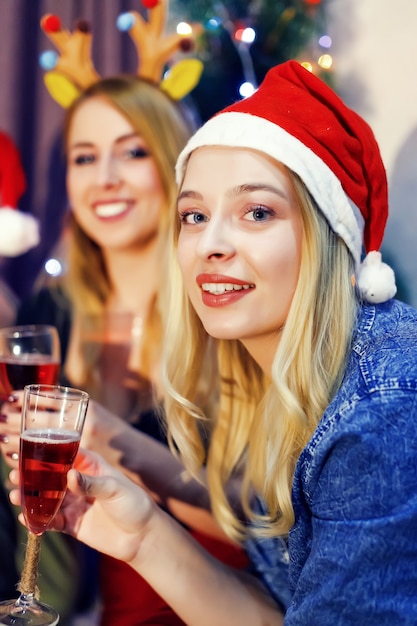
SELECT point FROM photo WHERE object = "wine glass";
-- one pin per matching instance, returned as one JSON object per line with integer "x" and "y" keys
{"x": 52, "y": 421}
{"x": 28, "y": 354}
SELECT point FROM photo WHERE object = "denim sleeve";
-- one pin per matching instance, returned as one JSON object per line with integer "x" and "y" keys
{"x": 269, "y": 563}
{"x": 359, "y": 565}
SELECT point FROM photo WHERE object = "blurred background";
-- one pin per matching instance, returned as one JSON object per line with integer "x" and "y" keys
{"x": 365, "y": 50}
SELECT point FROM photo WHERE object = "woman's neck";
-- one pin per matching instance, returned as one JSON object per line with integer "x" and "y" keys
{"x": 134, "y": 276}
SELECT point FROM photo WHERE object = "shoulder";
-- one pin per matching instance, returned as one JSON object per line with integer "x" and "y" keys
{"x": 366, "y": 441}
{"x": 44, "y": 306}
{"x": 385, "y": 344}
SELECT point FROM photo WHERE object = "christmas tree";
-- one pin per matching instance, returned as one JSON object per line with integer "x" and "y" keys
{"x": 243, "y": 39}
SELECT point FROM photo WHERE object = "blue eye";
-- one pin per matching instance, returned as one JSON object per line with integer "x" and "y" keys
{"x": 137, "y": 153}
{"x": 84, "y": 159}
{"x": 259, "y": 214}
{"x": 192, "y": 217}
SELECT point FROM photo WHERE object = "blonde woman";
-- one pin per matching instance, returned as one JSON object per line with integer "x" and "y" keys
{"x": 313, "y": 373}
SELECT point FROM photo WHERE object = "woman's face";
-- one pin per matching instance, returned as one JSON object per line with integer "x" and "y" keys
{"x": 240, "y": 245}
{"x": 113, "y": 183}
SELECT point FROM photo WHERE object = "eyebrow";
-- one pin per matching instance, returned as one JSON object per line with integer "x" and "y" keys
{"x": 189, "y": 194}
{"x": 248, "y": 188}
{"x": 236, "y": 191}
{"x": 89, "y": 144}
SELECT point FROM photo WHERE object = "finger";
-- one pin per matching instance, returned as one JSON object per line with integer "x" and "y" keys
{"x": 9, "y": 397}
{"x": 14, "y": 477}
{"x": 9, "y": 441}
{"x": 10, "y": 418}
{"x": 89, "y": 462}
{"x": 14, "y": 496}
{"x": 11, "y": 460}
{"x": 102, "y": 487}
{"x": 9, "y": 446}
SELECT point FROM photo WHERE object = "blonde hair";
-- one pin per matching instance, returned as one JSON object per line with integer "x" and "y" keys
{"x": 257, "y": 427}
{"x": 165, "y": 128}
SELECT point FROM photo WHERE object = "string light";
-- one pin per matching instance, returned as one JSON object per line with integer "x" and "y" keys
{"x": 246, "y": 35}
{"x": 183, "y": 28}
{"x": 325, "y": 41}
{"x": 53, "y": 267}
{"x": 213, "y": 24}
{"x": 325, "y": 61}
{"x": 246, "y": 89}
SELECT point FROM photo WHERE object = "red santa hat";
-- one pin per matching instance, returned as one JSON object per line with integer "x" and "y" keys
{"x": 18, "y": 231}
{"x": 298, "y": 120}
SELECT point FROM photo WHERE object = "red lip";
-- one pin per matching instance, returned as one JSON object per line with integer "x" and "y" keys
{"x": 221, "y": 299}
{"x": 218, "y": 278}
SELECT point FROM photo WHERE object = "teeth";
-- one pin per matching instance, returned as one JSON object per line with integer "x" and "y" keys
{"x": 110, "y": 210}
{"x": 219, "y": 288}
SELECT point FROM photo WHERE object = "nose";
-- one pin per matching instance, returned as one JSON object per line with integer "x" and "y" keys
{"x": 107, "y": 171}
{"x": 216, "y": 240}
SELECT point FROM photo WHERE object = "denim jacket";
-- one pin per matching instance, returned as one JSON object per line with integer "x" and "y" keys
{"x": 351, "y": 556}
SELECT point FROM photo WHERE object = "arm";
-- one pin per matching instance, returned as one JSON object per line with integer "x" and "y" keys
{"x": 104, "y": 503}
{"x": 356, "y": 537}
{"x": 152, "y": 465}
{"x": 146, "y": 461}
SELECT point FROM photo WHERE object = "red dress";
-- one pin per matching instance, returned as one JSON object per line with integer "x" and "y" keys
{"x": 128, "y": 600}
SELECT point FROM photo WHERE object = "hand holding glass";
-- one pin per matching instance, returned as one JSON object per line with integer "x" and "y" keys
{"x": 52, "y": 423}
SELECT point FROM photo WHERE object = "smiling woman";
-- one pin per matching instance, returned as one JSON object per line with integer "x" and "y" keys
{"x": 113, "y": 181}
{"x": 122, "y": 136}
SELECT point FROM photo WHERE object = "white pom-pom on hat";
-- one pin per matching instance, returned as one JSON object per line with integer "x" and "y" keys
{"x": 19, "y": 232}
{"x": 375, "y": 279}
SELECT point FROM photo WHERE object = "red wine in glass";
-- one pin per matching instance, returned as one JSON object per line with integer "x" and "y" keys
{"x": 45, "y": 458}
{"x": 36, "y": 368}
{"x": 28, "y": 354}
{"x": 52, "y": 421}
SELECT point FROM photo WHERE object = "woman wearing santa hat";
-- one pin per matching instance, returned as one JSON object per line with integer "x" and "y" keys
{"x": 312, "y": 370}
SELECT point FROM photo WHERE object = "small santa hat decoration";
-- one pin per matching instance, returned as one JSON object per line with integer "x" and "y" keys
{"x": 18, "y": 231}
{"x": 298, "y": 120}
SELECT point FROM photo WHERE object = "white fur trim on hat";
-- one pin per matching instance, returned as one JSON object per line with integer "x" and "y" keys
{"x": 19, "y": 232}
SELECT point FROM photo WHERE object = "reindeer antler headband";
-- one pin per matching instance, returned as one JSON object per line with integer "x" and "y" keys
{"x": 73, "y": 70}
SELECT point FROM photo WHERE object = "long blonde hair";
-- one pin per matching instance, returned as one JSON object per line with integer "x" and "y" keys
{"x": 165, "y": 128}
{"x": 246, "y": 423}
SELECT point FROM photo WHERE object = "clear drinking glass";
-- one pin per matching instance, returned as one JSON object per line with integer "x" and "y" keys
{"x": 52, "y": 422}
{"x": 28, "y": 354}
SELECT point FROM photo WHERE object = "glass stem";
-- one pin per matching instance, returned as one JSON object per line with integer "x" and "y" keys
{"x": 27, "y": 584}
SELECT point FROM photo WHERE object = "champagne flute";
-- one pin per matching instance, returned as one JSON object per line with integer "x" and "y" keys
{"x": 52, "y": 422}
{"x": 28, "y": 354}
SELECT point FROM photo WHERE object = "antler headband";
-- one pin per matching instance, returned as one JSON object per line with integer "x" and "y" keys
{"x": 73, "y": 70}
